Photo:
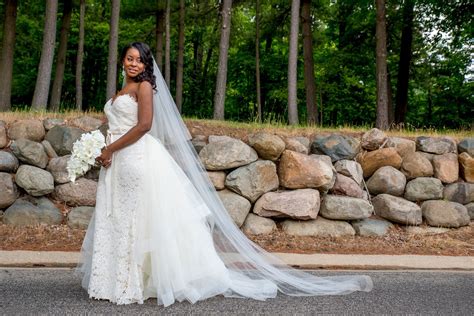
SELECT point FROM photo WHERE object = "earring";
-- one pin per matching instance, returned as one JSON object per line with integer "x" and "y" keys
{"x": 123, "y": 72}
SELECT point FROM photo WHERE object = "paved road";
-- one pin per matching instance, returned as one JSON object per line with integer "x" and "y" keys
{"x": 58, "y": 291}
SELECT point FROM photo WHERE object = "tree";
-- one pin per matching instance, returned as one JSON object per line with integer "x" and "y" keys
{"x": 61, "y": 58}
{"x": 8, "y": 48}
{"x": 160, "y": 26}
{"x": 80, "y": 55}
{"x": 180, "y": 63}
{"x": 257, "y": 61}
{"x": 381, "y": 67}
{"x": 221, "y": 81}
{"x": 168, "y": 44}
{"x": 113, "y": 50}
{"x": 40, "y": 96}
{"x": 309, "y": 80}
{"x": 292, "y": 64}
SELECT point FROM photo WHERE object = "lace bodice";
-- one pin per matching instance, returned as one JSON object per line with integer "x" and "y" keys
{"x": 121, "y": 113}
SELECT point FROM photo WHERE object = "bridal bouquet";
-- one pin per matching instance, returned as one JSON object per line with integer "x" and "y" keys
{"x": 84, "y": 152}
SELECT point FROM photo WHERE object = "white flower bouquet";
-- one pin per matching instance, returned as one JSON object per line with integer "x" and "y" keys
{"x": 84, "y": 152}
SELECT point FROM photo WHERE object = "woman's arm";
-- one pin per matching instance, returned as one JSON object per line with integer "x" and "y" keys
{"x": 145, "y": 119}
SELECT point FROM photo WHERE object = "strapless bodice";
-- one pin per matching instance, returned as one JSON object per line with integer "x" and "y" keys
{"x": 121, "y": 113}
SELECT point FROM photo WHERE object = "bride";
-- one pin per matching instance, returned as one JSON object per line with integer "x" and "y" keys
{"x": 159, "y": 229}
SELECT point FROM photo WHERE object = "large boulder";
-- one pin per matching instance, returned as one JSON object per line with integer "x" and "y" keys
{"x": 3, "y": 134}
{"x": 373, "y": 139}
{"x": 226, "y": 153}
{"x": 268, "y": 146}
{"x": 86, "y": 123}
{"x": 28, "y": 129}
{"x": 434, "y": 145}
{"x": 253, "y": 180}
{"x": 217, "y": 179}
{"x": 319, "y": 227}
{"x": 466, "y": 164}
{"x": 34, "y": 180}
{"x": 62, "y": 138}
{"x": 32, "y": 211}
{"x": 467, "y": 146}
{"x": 298, "y": 204}
{"x": 198, "y": 142}
{"x": 445, "y": 214}
{"x": 48, "y": 149}
{"x": 470, "y": 210}
{"x": 372, "y": 227}
{"x": 373, "y": 160}
{"x": 423, "y": 188}
{"x": 48, "y": 213}
{"x": 80, "y": 193}
{"x": 346, "y": 186}
{"x": 403, "y": 146}
{"x": 57, "y": 167}
{"x": 238, "y": 207}
{"x": 9, "y": 192}
{"x": 294, "y": 144}
{"x": 387, "y": 180}
{"x": 416, "y": 165}
{"x": 345, "y": 208}
{"x": 397, "y": 209}
{"x": 30, "y": 152}
{"x": 297, "y": 171}
{"x": 49, "y": 123}
{"x": 336, "y": 146}
{"x": 446, "y": 167}
{"x": 257, "y": 225}
{"x": 8, "y": 162}
{"x": 79, "y": 217}
{"x": 350, "y": 168}
{"x": 460, "y": 192}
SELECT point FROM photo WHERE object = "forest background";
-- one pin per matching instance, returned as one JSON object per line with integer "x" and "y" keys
{"x": 429, "y": 69}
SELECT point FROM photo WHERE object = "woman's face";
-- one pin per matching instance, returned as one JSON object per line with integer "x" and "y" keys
{"x": 132, "y": 63}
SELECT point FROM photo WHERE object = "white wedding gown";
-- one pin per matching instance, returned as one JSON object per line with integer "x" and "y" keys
{"x": 149, "y": 235}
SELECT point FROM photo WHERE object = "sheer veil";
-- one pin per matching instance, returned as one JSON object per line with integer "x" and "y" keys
{"x": 245, "y": 259}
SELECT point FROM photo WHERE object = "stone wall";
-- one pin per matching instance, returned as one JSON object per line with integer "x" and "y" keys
{"x": 333, "y": 185}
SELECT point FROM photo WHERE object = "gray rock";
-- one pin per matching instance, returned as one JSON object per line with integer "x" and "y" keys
{"x": 460, "y": 192}
{"x": 347, "y": 186}
{"x": 34, "y": 180}
{"x": 416, "y": 165}
{"x": 268, "y": 146}
{"x": 373, "y": 139}
{"x": 3, "y": 134}
{"x": 62, "y": 138}
{"x": 256, "y": 225}
{"x": 387, "y": 180}
{"x": 217, "y": 179}
{"x": 467, "y": 146}
{"x": 292, "y": 143}
{"x": 350, "y": 168}
{"x": 319, "y": 227}
{"x": 86, "y": 123}
{"x": 372, "y": 227}
{"x": 30, "y": 152}
{"x": 337, "y": 147}
{"x": 28, "y": 129}
{"x": 9, "y": 191}
{"x": 49, "y": 149}
{"x": 93, "y": 173}
{"x": 22, "y": 213}
{"x": 49, "y": 123}
{"x": 80, "y": 193}
{"x": 57, "y": 167}
{"x": 470, "y": 210}
{"x": 48, "y": 213}
{"x": 403, "y": 146}
{"x": 79, "y": 217}
{"x": 238, "y": 207}
{"x": 297, "y": 204}
{"x": 423, "y": 188}
{"x": 437, "y": 146}
{"x": 345, "y": 208}
{"x": 446, "y": 167}
{"x": 226, "y": 154}
{"x": 198, "y": 142}
{"x": 445, "y": 214}
{"x": 303, "y": 140}
{"x": 397, "y": 209}
{"x": 8, "y": 161}
{"x": 253, "y": 180}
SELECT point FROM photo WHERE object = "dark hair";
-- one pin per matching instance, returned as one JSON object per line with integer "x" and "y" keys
{"x": 146, "y": 58}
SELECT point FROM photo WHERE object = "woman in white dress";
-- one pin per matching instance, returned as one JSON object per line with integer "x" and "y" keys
{"x": 159, "y": 229}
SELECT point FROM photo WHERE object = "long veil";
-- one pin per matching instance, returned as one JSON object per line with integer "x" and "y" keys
{"x": 241, "y": 256}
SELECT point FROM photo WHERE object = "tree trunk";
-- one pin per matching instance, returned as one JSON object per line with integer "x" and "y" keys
{"x": 167, "y": 44}
{"x": 80, "y": 55}
{"x": 160, "y": 25}
{"x": 180, "y": 63}
{"x": 113, "y": 49}
{"x": 257, "y": 61}
{"x": 310, "y": 85}
{"x": 381, "y": 67}
{"x": 401, "y": 103}
{"x": 8, "y": 48}
{"x": 40, "y": 96}
{"x": 221, "y": 81}
{"x": 61, "y": 58}
{"x": 292, "y": 63}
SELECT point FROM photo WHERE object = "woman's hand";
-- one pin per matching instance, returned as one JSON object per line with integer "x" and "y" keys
{"x": 105, "y": 158}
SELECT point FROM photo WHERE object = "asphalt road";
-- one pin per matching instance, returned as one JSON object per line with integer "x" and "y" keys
{"x": 58, "y": 291}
